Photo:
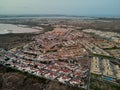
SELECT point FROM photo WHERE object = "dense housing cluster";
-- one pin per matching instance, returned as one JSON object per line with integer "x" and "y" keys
{"x": 105, "y": 69}
{"x": 69, "y": 56}
{"x": 56, "y": 55}
{"x": 115, "y": 37}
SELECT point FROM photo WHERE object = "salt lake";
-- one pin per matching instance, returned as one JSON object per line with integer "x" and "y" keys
{"x": 10, "y": 28}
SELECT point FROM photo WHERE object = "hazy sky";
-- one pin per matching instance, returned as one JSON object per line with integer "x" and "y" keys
{"x": 69, "y": 7}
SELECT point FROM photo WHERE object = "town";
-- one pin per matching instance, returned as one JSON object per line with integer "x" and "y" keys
{"x": 68, "y": 56}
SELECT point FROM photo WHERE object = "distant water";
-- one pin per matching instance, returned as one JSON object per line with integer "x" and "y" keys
{"x": 46, "y": 17}
{"x": 9, "y": 28}
{"x": 54, "y": 16}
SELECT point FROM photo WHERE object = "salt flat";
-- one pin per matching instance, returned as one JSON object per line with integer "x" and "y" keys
{"x": 9, "y": 28}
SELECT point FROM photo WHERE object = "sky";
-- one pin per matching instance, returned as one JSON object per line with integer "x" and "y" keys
{"x": 64, "y": 7}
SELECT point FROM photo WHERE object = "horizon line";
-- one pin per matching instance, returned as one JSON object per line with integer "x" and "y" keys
{"x": 62, "y": 15}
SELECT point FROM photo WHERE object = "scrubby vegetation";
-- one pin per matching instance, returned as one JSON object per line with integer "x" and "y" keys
{"x": 9, "y": 41}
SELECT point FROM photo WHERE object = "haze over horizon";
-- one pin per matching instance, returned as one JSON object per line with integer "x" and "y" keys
{"x": 62, "y": 7}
